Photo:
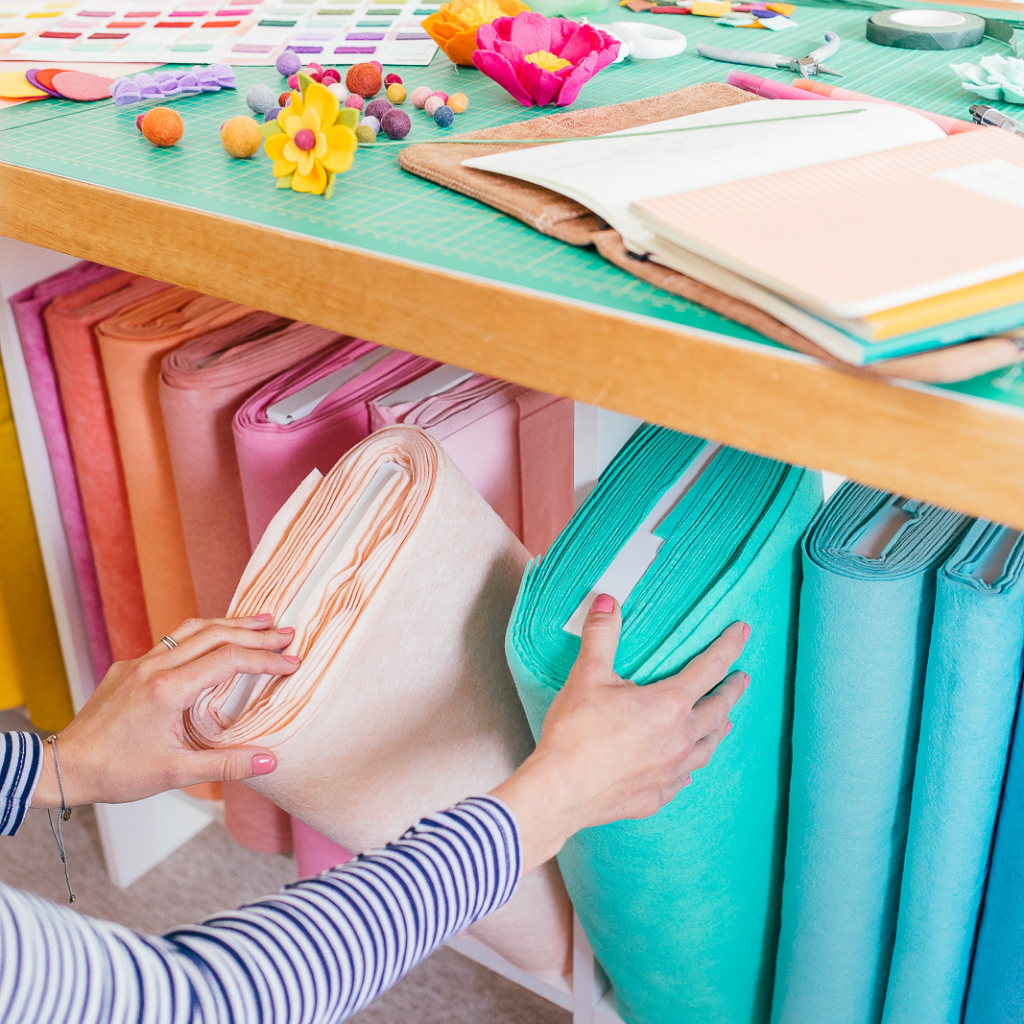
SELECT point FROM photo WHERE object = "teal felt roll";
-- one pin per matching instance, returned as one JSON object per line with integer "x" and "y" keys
{"x": 970, "y": 699}
{"x": 682, "y": 908}
{"x": 866, "y": 606}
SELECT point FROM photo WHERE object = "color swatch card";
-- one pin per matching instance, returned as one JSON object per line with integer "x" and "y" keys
{"x": 242, "y": 32}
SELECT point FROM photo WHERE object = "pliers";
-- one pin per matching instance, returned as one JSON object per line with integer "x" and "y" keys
{"x": 805, "y": 66}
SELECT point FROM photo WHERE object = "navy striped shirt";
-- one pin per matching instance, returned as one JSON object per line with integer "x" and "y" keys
{"x": 317, "y": 952}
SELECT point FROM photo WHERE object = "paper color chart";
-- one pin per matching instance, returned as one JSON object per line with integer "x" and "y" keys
{"x": 243, "y": 32}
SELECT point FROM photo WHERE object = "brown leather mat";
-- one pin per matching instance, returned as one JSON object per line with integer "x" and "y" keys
{"x": 568, "y": 221}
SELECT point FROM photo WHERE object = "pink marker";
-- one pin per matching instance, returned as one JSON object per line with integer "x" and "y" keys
{"x": 768, "y": 89}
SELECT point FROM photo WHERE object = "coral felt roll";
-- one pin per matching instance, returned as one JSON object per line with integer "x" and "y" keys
{"x": 27, "y": 307}
{"x": 399, "y": 581}
{"x": 132, "y": 344}
{"x": 514, "y": 445}
{"x": 30, "y": 660}
{"x": 70, "y": 319}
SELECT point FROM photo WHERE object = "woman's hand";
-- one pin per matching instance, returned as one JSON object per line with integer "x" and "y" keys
{"x": 128, "y": 742}
{"x": 610, "y": 749}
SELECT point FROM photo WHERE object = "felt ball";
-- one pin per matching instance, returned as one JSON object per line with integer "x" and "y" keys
{"x": 340, "y": 90}
{"x": 364, "y": 133}
{"x": 293, "y": 81}
{"x": 331, "y": 75}
{"x": 442, "y": 95}
{"x": 260, "y": 99}
{"x": 396, "y": 124}
{"x": 313, "y": 68}
{"x": 316, "y": 76}
{"x": 241, "y": 137}
{"x": 371, "y": 122}
{"x": 163, "y": 126}
{"x": 271, "y": 115}
{"x": 459, "y": 102}
{"x": 444, "y": 115}
{"x": 138, "y": 120}
{"x": 396, "y": 92}
{"x": 432, "y": 104}
{"x": 288, "y": 63}
{"x": 355, "y": 101}
{"x": 420, "y": 95}
{"x": 305, "y": 139}
{"x": 364, "y": 79}
{"x": 392, "y": 79}
{"x": 377, "y": 108}
{"x": 284, "y": 99}
{"x": 376, "y": 64}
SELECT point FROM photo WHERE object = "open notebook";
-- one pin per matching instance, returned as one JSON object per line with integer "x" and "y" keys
{"x": 810, "y": 253}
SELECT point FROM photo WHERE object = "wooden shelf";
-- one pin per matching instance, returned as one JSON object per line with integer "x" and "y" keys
{"x": 918, "y": 442}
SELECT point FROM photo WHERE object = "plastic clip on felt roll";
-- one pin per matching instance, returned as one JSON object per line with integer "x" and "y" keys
{"x": 870, "y": 561}
{"x": 970, "y": 699}
{"x": 399, "y": 581}
{"x": 925, "y": 30}
{"x": 682, "y": 908}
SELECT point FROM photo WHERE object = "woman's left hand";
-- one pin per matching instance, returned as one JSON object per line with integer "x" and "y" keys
{"x": 128, "y": 742}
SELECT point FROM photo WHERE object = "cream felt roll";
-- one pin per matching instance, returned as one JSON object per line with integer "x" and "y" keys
{"x": 399, "y": 581}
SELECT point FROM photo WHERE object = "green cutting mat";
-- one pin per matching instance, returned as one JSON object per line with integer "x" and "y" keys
{"x": 379, "y": 207}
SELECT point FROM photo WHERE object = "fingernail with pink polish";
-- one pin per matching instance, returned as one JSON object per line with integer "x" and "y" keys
{"x": 603, "y": 603}
{"x": 265, "y": 617}
{"x": 746, "y": 632}
{"x": 689, "y": 779}
{"x": 728, "y": 728}
{"x": 746, "y": 681}
{"x": 292, "y": 659}
{"x": 263, "y": 764}
{"x": 285, "y": 629}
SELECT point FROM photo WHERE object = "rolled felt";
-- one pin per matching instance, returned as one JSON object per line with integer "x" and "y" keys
{"x": 866, "y": 604}
{"x": 31, "y": 666}
{"x": 682, "y": 908}
{"x": 514, "y": 445}
{"x": 275, "y": 457}
{"x": 996, "y": 991}
{"x": 399, "y": 581}
{"x": 27, "y": 307}
{"x": 69, "y": 320}
{"x": 970, "y": 699}
{"x": 133, "y": 343}
{"x": 202, "y": 384}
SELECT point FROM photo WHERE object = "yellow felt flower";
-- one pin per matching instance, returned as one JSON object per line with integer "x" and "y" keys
{"x": 311, "y": 146}
{"x": 453, "y": 27}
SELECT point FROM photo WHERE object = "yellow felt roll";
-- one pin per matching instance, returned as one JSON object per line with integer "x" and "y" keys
{"x": 31, "y": 667}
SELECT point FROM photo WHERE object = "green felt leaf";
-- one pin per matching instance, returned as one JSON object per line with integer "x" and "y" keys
{"x": 270, "y": 128}
{"x": 304, "y": 82}
{"x": 329, "y": 191}
{"x": 285, "y": 182}
{"x": 349, "y": 117}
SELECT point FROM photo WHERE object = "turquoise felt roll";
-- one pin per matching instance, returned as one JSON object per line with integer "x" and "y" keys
{"x": 682, "y": 908}
{"x": 866, "y": 604}
{"x": 970, "y": 699}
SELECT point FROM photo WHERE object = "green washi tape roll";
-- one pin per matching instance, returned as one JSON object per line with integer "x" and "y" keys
{"x": 925, "y": 29}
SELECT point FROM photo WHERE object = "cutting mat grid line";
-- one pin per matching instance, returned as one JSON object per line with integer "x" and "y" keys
{"x": 379, "y": 207}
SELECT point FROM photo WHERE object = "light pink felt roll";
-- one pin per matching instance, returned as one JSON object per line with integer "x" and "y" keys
{"x": 514, "y": 445}
{"x": 27, "y": 307}
{"x": 399, "y": 580}
{"x": 202, "y": 384}
{"x": 275, "y": 458}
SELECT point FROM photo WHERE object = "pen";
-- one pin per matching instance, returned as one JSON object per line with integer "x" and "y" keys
{"x": 950, "y": 125}
{"x": 769, "y": 89}
{"x": 986, "y": 115}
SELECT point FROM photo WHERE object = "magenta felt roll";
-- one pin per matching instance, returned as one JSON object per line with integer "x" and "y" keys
{"x": 27, "y": 307}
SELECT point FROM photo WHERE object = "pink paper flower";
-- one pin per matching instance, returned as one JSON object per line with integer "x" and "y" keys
{"x": 542, "y": 60}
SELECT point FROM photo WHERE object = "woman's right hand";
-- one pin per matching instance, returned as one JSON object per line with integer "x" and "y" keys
{"x": 610, "y": 749}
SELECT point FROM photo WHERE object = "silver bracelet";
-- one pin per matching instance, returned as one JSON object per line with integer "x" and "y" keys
{"x": 65, "y": 814}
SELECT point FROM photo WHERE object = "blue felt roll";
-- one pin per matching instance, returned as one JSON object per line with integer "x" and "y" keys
{"x": 996, "y": 991}
{"x": 866, "y": 605}
{"x": 682, "y": 908}
{"x": 970, "y": 700}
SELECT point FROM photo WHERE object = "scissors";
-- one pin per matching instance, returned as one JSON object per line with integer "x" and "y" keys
{"x": 805, "y": 66}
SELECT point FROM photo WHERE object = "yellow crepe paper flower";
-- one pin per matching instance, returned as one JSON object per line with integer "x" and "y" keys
{"x": 311, "y": 141}
{"x": 454, "y": 26}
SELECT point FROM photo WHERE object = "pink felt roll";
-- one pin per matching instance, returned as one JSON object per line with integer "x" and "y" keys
{"x": 27, "y": 307}
{"x": 70, "y": 319}
{"x": 314, "y": 852}
{"x": 514, "y": 445}
{"x": 275, "y": 458}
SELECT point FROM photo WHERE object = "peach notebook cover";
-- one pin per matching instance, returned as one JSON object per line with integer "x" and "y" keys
{"x": 857, "y": 236}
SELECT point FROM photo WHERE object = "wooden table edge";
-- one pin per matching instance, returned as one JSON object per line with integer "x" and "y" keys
{"x": 956, "y": 453}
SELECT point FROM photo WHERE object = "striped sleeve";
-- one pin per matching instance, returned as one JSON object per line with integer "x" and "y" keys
{"x": 315, "y": 953}
{"x": 21, "y": 760}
